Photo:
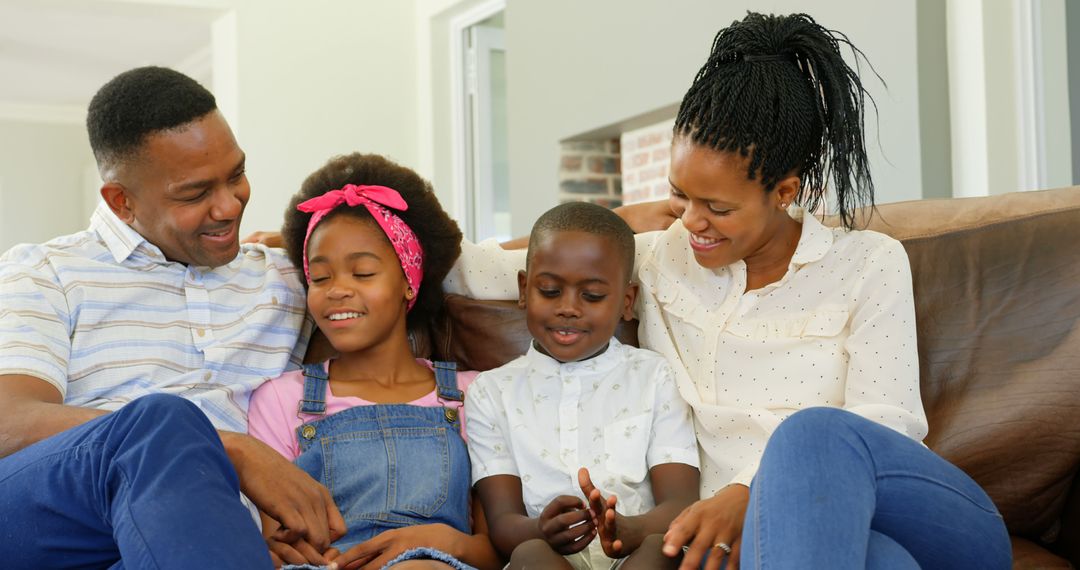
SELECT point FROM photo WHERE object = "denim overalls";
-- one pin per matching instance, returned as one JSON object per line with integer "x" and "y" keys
{"x": 388, "y": 465}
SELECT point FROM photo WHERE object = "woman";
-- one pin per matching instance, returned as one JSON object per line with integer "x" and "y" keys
{"x": 765, "y": 312}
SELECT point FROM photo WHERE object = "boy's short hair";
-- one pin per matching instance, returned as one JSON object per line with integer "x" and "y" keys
{"x": 588, "y": 218}
{"x": 140, "y": 102}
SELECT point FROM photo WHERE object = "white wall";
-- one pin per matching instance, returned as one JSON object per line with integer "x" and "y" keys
{"x": 42, "y": 186}
{"x": 576, "y": 66}
{"x": 318, "y": 79}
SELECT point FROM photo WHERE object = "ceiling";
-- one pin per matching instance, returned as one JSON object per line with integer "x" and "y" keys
{"x": 59, "y": 52}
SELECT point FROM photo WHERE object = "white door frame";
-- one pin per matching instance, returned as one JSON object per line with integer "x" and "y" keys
{"x": 459, "y": 116}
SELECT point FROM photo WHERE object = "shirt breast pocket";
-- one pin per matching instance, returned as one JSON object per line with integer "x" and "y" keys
{"x": 626, "y": 446}
{"x": 819, "y": 323}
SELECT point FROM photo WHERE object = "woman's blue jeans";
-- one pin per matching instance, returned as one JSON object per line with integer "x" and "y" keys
{"x": 147, "y": 486}
{"x": 835, "y": 490}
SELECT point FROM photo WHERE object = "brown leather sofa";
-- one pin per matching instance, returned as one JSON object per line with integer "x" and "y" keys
{"x": 997, "y": 294}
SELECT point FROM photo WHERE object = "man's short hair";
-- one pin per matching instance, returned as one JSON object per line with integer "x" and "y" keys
{"x": 588, "y": 218}
{"x": 138, "y": 103}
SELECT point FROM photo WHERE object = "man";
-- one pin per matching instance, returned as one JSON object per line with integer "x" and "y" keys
{"x": 119, "y": 343}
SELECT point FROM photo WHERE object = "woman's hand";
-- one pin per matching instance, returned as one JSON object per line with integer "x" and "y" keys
{"x": 269, "y": 239}
{"x": 388, "y": 545}
{"x": 705, "y": 524}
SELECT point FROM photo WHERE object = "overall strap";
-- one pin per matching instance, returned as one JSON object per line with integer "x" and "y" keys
{"x": 315, "y": 381}
{"x": 446, "y": 381}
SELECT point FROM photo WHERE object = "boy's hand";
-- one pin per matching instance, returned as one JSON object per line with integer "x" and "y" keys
{"x": 566, "y": 525}
{"x": 608, "y": 521}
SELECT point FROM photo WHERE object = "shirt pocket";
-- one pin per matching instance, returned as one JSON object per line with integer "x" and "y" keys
{"x": 677, "y": 301}
{"x": 824, "y": 322}
{"x": 626, "y": 447}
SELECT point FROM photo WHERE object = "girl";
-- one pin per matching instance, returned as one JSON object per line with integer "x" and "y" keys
{"x": 764, "y": 313}
{"x": 379, "y": 428}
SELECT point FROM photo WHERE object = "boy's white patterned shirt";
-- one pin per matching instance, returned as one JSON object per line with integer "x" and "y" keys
{"x": 618, "y": 414}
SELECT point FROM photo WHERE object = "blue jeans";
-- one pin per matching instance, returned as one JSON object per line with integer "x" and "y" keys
{"x": 835, "y": 490}
{"x": 147, "y": 486}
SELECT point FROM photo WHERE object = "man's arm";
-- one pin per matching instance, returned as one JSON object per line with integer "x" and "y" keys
{"x": 32, "y": 409}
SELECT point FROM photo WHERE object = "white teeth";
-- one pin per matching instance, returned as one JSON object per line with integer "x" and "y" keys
{"x": 703, "y": 240}
{"x": 343, "y": 316}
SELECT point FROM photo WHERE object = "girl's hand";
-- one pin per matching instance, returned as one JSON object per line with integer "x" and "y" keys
{"x": 388, "y": 545}
{"x": 299, "y": 552}
{"x": 705, "y": 524}
{"x": 566, "y": 525}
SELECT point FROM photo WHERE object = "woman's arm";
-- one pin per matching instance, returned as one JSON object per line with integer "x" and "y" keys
{"x": 883, "y": 367}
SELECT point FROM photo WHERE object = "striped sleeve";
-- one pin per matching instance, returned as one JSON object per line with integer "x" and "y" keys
{"x": 35, "y": 323}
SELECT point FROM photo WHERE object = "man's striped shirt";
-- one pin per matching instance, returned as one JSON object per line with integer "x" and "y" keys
{"x": 105, "y": 318}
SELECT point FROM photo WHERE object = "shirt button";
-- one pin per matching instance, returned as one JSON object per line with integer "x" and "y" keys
{"x": 273, "y": 300}
{"x": 208, "y": 376}
{"x": 200, "y": 332}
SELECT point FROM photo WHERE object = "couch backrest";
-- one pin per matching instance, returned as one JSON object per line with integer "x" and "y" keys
{"x": 997, "y": 293}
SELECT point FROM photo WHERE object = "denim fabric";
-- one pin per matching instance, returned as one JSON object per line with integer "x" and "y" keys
{"x": 424, "y": 553}
{"x": 389, "y": 465}
{"x": 835, "y": 490}
{"x": 149, "y": 484}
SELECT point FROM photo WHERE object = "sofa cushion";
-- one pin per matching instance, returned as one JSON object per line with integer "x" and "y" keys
{"x": 997, "y": 293}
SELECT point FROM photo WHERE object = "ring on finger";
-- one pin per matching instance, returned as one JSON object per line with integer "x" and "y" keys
{"x": 723, "y": 546}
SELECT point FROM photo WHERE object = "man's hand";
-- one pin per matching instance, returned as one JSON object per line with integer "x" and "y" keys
{"x": 608, "y": 521}
{"x": 707, "y": 523}
{"x": 298, "y": 552}
{"x": 647, "y": 216}
{"x": 566, "y": 525}
{"x": 302, "y": 507}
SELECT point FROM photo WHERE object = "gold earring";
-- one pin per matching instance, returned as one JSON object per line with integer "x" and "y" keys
{"x": 409, "y": 293}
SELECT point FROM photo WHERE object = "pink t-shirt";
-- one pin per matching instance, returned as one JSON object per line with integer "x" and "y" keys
{"x": 273, "y": 417}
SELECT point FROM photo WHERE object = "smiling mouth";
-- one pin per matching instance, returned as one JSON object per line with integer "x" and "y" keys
{"x": 344, "y": 316}
{"x": 700, "y": 242}
{"x": 566, "y": 335}
{"x": 220, "y": 234}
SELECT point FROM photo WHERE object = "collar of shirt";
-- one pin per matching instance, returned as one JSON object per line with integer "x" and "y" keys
{"x": 601, "y": 363}
{"x": 814, "y": 242}
{"x": 119, "y": 237}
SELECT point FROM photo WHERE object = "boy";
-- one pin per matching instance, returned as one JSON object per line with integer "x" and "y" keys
{"x": 580, "y": 415}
